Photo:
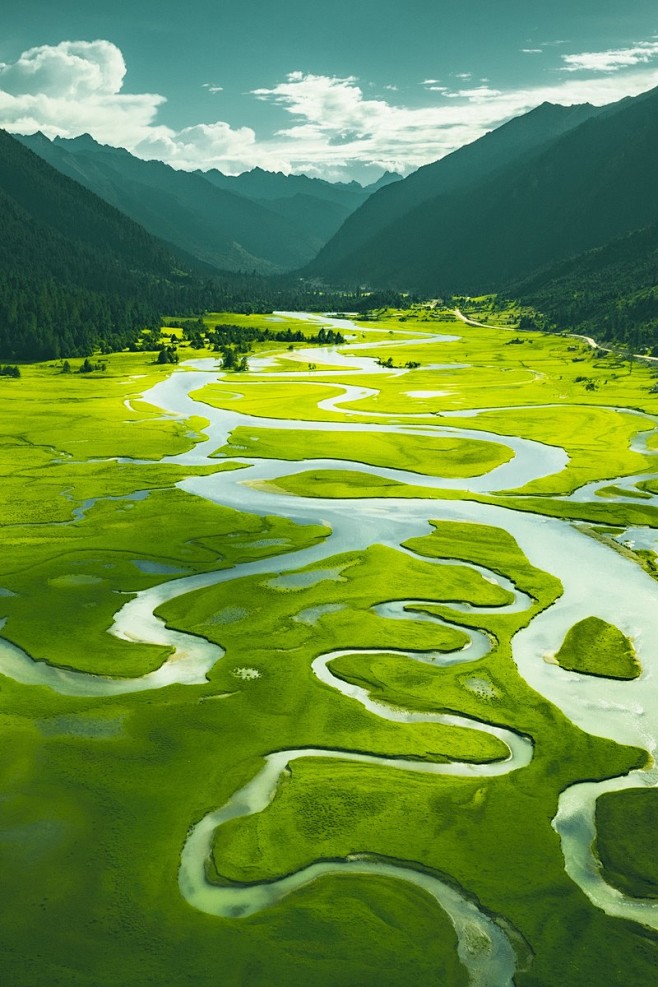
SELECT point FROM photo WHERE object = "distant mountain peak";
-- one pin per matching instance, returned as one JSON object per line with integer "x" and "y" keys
{"x": 38, "y": 135}
{"x": 84, "y": 142}
{"x": 387, "y": 178}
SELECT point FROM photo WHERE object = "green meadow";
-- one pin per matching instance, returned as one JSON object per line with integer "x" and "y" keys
{"x": 99, "y": 794}
{"x": 595, "y": 647}
{"x": 433, "y": 456}
{"x": 625, "y": 824}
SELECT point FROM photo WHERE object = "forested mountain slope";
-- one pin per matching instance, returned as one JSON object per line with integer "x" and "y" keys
{"x": 463, "y": 168}
{"x": 258, "y": 222}
{"x": 584, "y": 188}
{"x": 610, "y": 293}
{"x": 74, "y": 272}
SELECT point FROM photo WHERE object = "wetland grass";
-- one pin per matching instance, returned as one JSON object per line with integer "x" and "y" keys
{"x": 98, "y": 795}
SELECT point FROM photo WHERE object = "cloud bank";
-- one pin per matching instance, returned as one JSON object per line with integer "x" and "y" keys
{"x": 328, "y": 126}
{"x": 612, "y": 60}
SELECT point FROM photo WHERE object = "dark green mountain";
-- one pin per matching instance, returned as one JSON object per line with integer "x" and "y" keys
{"x": 262, "y": 222}
{"x": 76, "y": 274}
{"x": 182, "y": 208}
{"x": 610, "y": 293}
{"x": 581, "y": 190}
{"x": 465, "y": 168}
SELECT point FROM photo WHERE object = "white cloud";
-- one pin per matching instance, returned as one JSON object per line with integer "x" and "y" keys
{"x": 211, "y": 88}
{"x": 77, "y": 69}
{"x": 77, "y": 86}
{"x": 205, "y": 145}
{"x": 327, "y": 125}
{"x": 474, "y": 95}
{"x": 334, "y": 125}
{"x": 464, "y": 75}
{"x": 612, "y": 60}
{"x": 532, "y": 51}
{"x": 73, "y": 87}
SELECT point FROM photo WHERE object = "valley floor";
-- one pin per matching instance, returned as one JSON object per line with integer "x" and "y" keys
{"x": 341, "y": 671}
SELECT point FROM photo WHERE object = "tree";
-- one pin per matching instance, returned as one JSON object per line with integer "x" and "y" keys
{"x": 228, "y": 358}
{"x": 167, "y": 354}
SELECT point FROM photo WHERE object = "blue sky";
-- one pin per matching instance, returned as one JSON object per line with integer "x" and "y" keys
{"x": 342, "y": 89}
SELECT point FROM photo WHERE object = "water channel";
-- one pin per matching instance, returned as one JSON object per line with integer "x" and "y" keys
{"x": 596, "y": 582}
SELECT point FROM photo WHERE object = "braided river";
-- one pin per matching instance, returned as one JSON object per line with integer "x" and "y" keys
{"x": 596, "y": 581}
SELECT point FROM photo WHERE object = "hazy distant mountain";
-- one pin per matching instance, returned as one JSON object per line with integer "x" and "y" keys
{"x": 75, "y": 273}
{"x": 316, "y": 206}
{"x": 260, "y": 184}
{"x": 466, "y": 167}
{"x": 208, "y": 216}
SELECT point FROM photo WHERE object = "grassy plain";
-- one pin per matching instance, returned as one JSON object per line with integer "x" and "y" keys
{"x": 97, "y": 796}
{"x": 431, "y": 455}
{"x": 549, "y": 388}
{"x": 491, "y": 835}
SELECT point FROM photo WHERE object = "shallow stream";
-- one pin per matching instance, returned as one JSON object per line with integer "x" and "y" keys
{"x": 596, "y": 581}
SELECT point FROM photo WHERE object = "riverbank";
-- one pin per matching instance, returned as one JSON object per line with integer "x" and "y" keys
{"x": 406, "y": 739}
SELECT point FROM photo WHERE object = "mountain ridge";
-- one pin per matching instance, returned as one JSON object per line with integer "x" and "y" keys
{"x": 471, "y": 163}
{"x": 206, "y": 215}
{"x": 76, "y": 273}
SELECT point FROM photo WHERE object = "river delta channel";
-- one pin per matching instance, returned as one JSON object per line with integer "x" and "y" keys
{"x": 596, "y": 581}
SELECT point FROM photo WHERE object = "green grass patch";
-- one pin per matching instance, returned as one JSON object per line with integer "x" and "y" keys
{"x": 615, "y": 491}
{"x": 434, "y": 456}
{"x": 626, "y": 825}
{"x": 595, "y": 647}
{"x": 98, "y": 795}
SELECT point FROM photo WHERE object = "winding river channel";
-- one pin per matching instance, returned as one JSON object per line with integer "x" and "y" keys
{"x": 596, "y": 581}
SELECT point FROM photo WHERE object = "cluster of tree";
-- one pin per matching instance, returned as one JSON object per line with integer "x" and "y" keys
{"x": 225, "y": 334}
{"x": 388, "y": 363}
{"x": 251, "y": 294}
{"x": 9, "y": 371}
{"x": 232, "y": 360}
{"x": 42, "y": 319}
{"x": 86, "y": 367}
{"x": 240, "y": 338}
{"x": 194, "y": 332}
{"x": 167, "y": 354}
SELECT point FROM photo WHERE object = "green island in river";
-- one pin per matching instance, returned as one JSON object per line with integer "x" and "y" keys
{"x": 335, "y": 671}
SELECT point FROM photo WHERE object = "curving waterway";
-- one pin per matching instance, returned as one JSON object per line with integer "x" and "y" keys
{"x": 596, "y": 582}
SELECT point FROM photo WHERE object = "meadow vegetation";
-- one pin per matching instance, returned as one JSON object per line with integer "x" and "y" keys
{"x": 432, "y": 455}
{"x": 98, "y": 795}
{"x": 626, "y": 841}
{"x": 595, "y": 647}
